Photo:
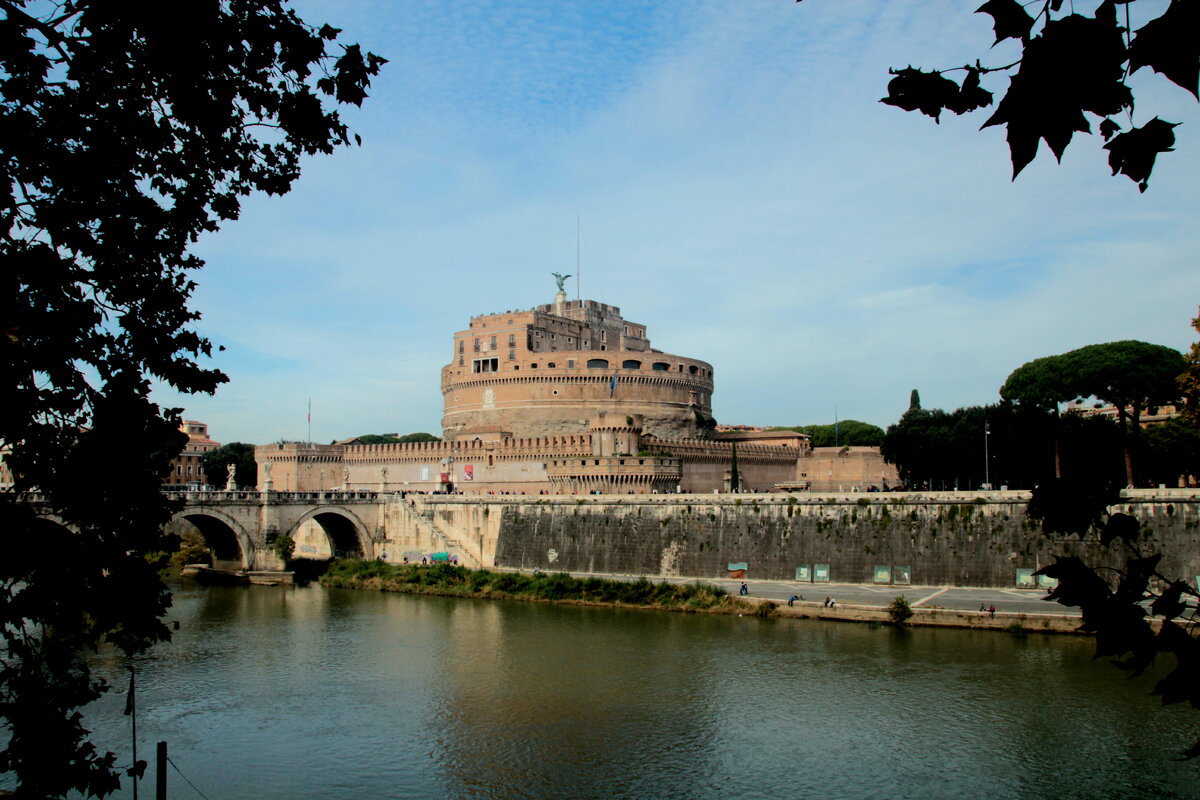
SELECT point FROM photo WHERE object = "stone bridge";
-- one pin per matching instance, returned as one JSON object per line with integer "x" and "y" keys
{"x": 240, "y": 527}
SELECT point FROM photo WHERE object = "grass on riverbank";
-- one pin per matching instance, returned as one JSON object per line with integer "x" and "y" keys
{"x": 453, "y": 581}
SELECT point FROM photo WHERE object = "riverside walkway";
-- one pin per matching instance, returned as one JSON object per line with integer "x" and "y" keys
{"x": 938, "y": 606}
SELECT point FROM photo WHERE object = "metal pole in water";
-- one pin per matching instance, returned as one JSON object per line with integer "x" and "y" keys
{"x": 160, "y": 785}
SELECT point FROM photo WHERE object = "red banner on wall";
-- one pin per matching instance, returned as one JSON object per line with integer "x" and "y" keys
{"x": 469, "y": 472}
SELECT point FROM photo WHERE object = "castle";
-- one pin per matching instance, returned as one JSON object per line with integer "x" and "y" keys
{"x": 570, "y": 398}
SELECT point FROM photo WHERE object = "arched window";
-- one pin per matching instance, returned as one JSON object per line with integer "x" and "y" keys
{"x": 660, "y": 366}
{"x": 593, "y": 363}
{"x": 631, "y": 364}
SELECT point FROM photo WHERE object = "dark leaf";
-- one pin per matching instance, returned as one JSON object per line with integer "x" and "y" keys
{"x": 1135, "y": 581}
{"x": 1134, "y": 151}
{"x": 1108, "y": 128}
{"x": 1170, "y": 604}
{"x": 1069, "y": 506}
{"x": 1078, "y": 584}
{"x": 1075, "y": 65}
{"x": 1119, "y": 526}
{"x": 1009, "y": 19}
{"x": 927, "y": 92}
{"x": 1170, "y": 45}
{"x": 971, "y": 96}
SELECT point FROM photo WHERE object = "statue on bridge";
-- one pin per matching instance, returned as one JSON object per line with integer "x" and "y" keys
{"x": 231, "y": 481}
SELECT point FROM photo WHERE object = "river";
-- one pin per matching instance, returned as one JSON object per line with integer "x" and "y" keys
{"x": 314, "y": 693}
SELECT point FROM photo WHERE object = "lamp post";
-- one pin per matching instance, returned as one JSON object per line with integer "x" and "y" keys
{"x": 987, "y": 480}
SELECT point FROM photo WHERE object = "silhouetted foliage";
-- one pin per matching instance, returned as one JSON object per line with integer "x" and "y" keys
{"x": 1073, "y": 70}
{"x": 126, "y": 132}
{"x": 1116, "y": 604}
{"x": 238, "y": 455}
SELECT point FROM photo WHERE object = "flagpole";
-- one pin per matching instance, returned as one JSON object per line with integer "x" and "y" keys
{"x": 310, "y": 422}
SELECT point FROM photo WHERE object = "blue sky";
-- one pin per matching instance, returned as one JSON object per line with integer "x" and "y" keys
{"x": 741, "y": 192}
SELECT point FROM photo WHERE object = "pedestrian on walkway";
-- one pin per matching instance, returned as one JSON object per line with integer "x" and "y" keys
{"x": 992, "y": 610}
{"x": 744, "y": 590}
{"x": 827, "y": 601}
{"x": 791, "y": 599}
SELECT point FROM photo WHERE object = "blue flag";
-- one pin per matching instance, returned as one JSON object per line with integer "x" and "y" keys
{"x": 612, "y": 385}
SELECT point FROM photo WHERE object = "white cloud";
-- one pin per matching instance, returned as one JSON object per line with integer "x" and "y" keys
{"x": 742, "y": 193}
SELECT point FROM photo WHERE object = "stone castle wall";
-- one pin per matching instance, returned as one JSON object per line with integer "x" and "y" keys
{"x": 962, "y": 539}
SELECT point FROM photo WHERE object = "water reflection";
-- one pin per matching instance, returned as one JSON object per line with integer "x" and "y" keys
{"x": 269, "y": 693}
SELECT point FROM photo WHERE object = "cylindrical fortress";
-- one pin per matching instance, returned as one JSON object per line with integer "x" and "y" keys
{"x": 550, "y": 369}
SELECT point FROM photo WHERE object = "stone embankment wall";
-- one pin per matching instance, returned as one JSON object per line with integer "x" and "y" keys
{"x": 962, "y": 539}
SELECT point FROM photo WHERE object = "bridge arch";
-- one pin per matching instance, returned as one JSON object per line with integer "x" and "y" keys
{"x": 347, "y": 534}
{"x": 225, "y": 537}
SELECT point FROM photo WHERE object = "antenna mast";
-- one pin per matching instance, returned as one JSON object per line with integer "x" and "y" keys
{"x": 578, "y": 296}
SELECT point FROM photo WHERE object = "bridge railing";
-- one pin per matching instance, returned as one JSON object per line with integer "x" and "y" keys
{"x": 254, "y": 496}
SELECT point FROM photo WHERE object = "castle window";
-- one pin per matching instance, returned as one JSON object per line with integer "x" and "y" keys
{"x": 661, "y": 366}
{"x": 476, "y": 345}
{"x": 533, "y": 366}
{"x": 631, "y": 364}
{"x": 570, "y": 363}
{"x": 550, "y": 365}
{"x": 512, "y": 340}
{"x": 461, "y": 343}
{"x": 485, "y": 365}
{"x": 693, "y": 369}
{"x": 460, "y": 361}
{"x": 493, "y": 343}
{"x": 512, "y": 354}
{"x": 594, "y": 363}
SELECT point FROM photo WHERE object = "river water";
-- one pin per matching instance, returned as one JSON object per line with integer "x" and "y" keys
{"x": 315, "y": 693}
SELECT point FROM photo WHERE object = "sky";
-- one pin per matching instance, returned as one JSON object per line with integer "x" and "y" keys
{"x": 722, "y": 171}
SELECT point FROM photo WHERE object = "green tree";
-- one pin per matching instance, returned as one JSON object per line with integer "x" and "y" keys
{"x": 1189, "y": 380}
{"x": 1170, "y": 451}
{"x": 418, "y": 437}
{"x": 387, "y": 438}
{"x": 1073, "y": 70}
{"x": 847, "y": 432}
{"x": 125, "y": 134}
{"x": 240, "y": 456}
{"x": 1130, "y": 375}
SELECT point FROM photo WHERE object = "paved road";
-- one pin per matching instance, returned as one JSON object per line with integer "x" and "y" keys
{"x": 1016, "y": 601}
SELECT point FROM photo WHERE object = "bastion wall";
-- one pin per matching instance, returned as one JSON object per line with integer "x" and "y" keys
{"x": 960, "y": 539}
